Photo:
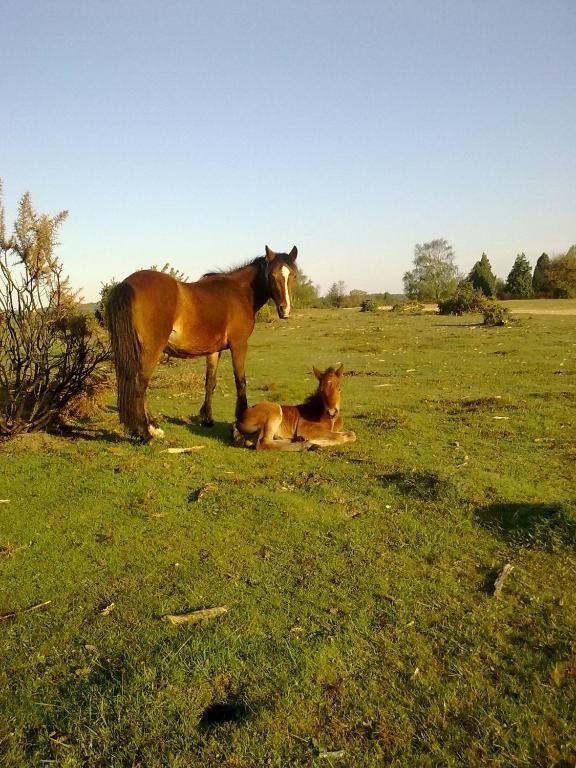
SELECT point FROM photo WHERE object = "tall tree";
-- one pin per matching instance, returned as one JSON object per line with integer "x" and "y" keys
{"x": 562, "y": 275}
{"x": 541, "y": 278}
{"x": 482, "y": 277}
{"x": 435, "y": 274}
{"x": 519, "y": 281}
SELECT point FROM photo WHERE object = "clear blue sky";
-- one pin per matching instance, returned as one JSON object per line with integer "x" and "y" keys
{"x": 197, "y": 132}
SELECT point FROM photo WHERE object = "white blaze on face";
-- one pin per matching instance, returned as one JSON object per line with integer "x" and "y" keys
{"x": 286, "y": 274}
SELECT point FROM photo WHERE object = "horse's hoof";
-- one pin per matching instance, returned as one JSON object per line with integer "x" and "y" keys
{"x": 139, "y": 439}
{"x": 237, "y": 437}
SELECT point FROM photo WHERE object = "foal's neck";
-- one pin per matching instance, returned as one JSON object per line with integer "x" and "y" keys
{"x": 313, "y": 406}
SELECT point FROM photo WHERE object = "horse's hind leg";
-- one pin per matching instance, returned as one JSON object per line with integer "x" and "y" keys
{"x": 268, "y": 442}
{"x": 323, "y": 438}
{"x": 147, "y": 425}
{"x": 209, "y": 387}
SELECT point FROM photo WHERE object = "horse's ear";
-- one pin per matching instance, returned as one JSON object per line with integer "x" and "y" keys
{"x": 293, "y": 254}
{"x": 269, "y": 254}
{"x": 317, "y": 373}
{"x": 340, "y": 370}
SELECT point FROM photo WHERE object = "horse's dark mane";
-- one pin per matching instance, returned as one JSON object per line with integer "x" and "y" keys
{"x": 259, "y": 262}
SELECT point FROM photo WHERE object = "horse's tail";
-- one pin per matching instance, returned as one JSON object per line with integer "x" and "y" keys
{"x": 126, "y": 351}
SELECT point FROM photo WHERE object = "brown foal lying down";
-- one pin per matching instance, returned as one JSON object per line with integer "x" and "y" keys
{"x": 315, "y": 422}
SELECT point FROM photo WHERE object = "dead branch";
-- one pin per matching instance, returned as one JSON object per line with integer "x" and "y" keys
{"x": 502, "y": 576}
{"x": 195, "y": 616}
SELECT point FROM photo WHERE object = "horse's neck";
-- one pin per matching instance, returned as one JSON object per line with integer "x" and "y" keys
{"x": 251, "y": 280}
{"x": 257, "y": 280}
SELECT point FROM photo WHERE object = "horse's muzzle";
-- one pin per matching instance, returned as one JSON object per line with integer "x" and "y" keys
{"x": 283, "y": 313}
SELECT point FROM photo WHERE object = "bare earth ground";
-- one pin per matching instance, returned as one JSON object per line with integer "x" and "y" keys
{"x": 523, "y": 311}
{"x": 536, "y": 307}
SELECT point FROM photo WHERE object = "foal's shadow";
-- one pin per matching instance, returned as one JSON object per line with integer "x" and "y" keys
{"x": 220, "y": 432}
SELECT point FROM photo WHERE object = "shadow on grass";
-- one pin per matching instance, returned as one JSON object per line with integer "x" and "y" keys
{"x": 75, "y": 432}
{"x": 220, "y": 431}
{"x": 223, "y": 712}
{"x": 429, "y": 486}
{"x": 538, "y": 525}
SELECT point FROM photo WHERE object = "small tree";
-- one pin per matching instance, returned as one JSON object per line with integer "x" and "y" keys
{"x": 495, "y": 314}
{"x": 336, "y": 294}
{"x": 466, "y": 298}
{"x": 369, "y": 305}
{"x": 168, "y": 269}
{"x": 541, "y": 284}
{"x": 355, "y": 298}
{"x": 50, "y": 353}
{"x": 434, "y": 275}
{"x": 482, "y": 277}
{"x": 305, "y": 292}
{"x": 519, "y": 281}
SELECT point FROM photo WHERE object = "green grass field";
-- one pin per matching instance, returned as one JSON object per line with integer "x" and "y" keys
{"x": 362, "y": 625}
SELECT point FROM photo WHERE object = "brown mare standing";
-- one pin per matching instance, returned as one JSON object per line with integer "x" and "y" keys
{"x": 150, "y": 312}
{"x": 315, "y": 422}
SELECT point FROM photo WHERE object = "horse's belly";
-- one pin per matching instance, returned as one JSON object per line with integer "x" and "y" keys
{"x": 181, "y": 344}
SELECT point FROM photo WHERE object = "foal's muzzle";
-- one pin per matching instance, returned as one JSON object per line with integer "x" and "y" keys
{"x": 333, "y": 412}
{"x": 283, "y": 313}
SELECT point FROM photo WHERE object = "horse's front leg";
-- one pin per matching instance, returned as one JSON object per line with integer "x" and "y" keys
{"x": 209, "y": 387}
{"x": 238, "y": 362}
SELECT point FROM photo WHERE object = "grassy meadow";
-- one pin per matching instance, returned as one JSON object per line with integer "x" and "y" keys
{"x": 362, "y": 625}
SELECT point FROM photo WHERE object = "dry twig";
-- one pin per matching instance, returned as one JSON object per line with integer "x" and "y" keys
{"x": 195, "y": 616}
{"x": 502, "y": 576}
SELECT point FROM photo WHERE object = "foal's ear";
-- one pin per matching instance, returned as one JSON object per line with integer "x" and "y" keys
{"x": 293, "y": 254}
{"x": 339, "y": 371}
{"x": 317, "y": 373}
{"x": 269, "y": 254}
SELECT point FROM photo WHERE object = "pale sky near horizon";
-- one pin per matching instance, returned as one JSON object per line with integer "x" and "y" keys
{"x": 196, "y": 133}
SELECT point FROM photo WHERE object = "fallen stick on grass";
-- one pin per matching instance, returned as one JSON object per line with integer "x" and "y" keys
{"x": 24, "y": 610}
{"x": 502, "y": 576}
{"x": 191, "y": 449}
{"x": 195, "y": 616}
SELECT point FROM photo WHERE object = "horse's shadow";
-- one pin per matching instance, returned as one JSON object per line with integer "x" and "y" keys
{"x": 79, "y": 432}
{"x": 220, "y": 431}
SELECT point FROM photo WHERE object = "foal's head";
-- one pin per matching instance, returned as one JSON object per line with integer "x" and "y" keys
{"x": 329, "y": 389}
{"x": 282, "y": 273}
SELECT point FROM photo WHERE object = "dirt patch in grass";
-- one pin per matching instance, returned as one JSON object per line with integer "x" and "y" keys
{"x": 365, "y": 373}
{"x": 473, "y": 405}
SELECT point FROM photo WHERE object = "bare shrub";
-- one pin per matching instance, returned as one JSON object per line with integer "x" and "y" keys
{"x": 50, "y": 353}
